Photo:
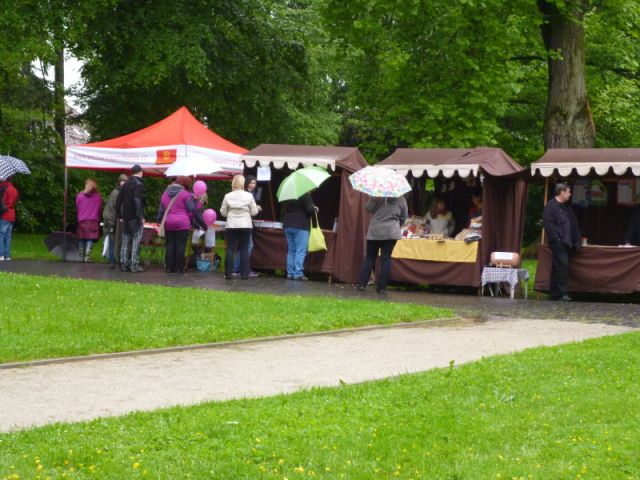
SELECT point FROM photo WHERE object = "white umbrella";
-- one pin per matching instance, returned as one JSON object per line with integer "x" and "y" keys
{"x": 9, "y": 166}
{"x": 380, "y": 182}
{"x": 192, "y": 166}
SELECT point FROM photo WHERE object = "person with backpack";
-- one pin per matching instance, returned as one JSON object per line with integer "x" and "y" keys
{"x": 8, "y": 198}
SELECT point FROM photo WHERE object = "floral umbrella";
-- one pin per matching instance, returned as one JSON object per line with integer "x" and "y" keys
{"x": 300, "y": 182}
{"x": 380, "y": 182}
{"x": 9, "y": 166}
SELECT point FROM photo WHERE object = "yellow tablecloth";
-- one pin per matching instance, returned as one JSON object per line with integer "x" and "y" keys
{"x": 436, "y": 251}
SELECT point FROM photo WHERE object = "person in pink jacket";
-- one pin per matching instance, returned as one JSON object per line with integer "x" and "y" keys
{"x": 180, "y": 215}
{"x": 89, "y": 206}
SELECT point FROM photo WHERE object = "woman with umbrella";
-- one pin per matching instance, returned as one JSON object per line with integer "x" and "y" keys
{"x": 89, "y": 205}
{"x": 389, "y": 211}
{"x": 8, "y": 199}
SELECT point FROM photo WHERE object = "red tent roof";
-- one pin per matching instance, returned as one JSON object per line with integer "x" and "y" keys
{"x": 179, "y": 128}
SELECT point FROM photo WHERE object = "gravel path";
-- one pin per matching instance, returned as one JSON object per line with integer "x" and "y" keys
{"x": 84, "y": 390}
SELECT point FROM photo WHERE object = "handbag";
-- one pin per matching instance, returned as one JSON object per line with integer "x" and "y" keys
{"x": 161, "y": 232}
{"x": 316, "y": 237}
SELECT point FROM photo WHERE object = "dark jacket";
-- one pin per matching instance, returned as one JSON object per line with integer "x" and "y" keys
{"x": 561, "y": 224}
{"x": 130, "y": 204}
{"x": 297, "y": 213}
{"x": 632, "y": 235}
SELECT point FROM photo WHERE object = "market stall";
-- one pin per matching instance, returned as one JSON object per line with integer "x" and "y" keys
{"x": 342, "y": 216}
{"x": 605, "y": 189}
{"x": 456, "y": 174}
{"x": 178, "y": 137}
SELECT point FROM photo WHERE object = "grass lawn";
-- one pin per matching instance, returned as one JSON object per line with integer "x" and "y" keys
{"x": 44, "y": 317}
{"x": 549, "y": 413}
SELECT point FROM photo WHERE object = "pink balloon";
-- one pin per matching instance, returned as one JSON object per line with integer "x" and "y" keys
{"x": 209, "y": 216}
{"x": 199, "y": 188}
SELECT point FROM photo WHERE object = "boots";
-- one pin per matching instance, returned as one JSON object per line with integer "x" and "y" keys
{"x": 87, "y": 255}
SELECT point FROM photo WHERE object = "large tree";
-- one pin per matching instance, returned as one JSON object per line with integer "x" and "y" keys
{"x": 568, "y": 119}
{"x": 248, "y": 68}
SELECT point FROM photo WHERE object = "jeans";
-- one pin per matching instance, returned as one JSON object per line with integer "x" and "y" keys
{"x": 236, "y": 264}
{"x": 559, "y": 270}
{"x": 297, "y": 242}
{"x": 175, "y": 246}
{"x": 84, "y": 246}
{"x": 237, "y": 244}
{"x": 6, "y": 229}
{"x": 385, "y": 247}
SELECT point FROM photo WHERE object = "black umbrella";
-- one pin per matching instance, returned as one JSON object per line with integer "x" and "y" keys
{"x": 55, "y": 242}
{"x": 9, "y": 166}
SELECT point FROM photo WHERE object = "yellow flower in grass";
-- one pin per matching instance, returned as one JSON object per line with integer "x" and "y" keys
{"x": 135, "y": 465}
{"x": 299, "y": 469}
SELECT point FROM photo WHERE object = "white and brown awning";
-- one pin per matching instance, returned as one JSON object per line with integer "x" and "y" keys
{"x": 566, "y": 162}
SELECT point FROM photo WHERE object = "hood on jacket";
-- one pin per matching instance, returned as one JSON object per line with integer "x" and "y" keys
{"x": 174, "y": 189}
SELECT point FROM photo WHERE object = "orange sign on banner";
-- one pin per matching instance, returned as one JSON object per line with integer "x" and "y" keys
{"x": 165, "y": 157}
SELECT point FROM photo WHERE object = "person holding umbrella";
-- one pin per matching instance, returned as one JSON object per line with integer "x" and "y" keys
{"x": 8, "y": 198}
{"x": 9, "y": 166}
{"x": 389, "y": 211}
{"x": 298, "y": 208}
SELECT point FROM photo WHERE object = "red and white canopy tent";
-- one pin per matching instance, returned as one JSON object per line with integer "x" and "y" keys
{"x": 154, "y": 148}
{"x": 180, "y": 136}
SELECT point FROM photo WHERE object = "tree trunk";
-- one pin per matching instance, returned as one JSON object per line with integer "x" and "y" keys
{"x": 568, "y": 120}
{"x": 59, "y": 110}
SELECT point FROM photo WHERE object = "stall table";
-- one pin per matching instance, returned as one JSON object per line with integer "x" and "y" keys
{"x": 435, "y": 262}
{"x": 512, "y": 276}
{"x": 595, "y": 268}
{"x": 270, "y": 251}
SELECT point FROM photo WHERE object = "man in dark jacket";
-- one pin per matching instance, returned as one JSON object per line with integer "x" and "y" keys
{"x": 130, "y": 211}
{"x": 561, "y": 227}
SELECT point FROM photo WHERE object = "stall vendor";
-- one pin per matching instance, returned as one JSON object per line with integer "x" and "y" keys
{"x": 632, "y": 236}
{"x": 561, "y": 226}
{"x": 439, "y": 219}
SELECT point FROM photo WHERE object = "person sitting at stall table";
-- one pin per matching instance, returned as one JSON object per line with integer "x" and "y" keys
{"x": 632, "y": 235}
{"x": 439, "y": 219}
{"x": 476, "y": 206}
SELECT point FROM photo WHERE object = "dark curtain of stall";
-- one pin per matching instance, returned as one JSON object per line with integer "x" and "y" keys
{"x": 503, "y": 209}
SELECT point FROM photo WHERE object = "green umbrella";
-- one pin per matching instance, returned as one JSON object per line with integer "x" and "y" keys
{"x": 300, "y": 182}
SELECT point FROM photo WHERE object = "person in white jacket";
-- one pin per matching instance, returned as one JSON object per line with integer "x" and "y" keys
{"x": 238, "y": 206}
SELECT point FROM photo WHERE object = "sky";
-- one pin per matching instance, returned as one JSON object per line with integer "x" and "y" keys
{"x": 72, "y": 77}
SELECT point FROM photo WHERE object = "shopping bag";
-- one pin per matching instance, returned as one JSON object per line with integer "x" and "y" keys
{"x": 316, "y": 238}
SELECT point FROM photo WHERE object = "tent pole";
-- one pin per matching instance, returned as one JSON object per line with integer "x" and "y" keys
{"x": 546, "y": 194}
{"x": 64, "y": 214}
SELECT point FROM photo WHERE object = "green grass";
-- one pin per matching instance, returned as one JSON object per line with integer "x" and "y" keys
{"x": 550, "y": 413}
{"x": 44, "y": 317}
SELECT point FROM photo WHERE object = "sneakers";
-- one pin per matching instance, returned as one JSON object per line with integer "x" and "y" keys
{"x": 137, "y": 269}
{"x": 253, "y": 274}
{"x": 1, "y": 259}
{"x": 361, "y": 287}
{"x": 302, "y": 277}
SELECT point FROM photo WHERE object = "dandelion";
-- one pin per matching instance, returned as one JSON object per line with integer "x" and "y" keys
{"x": 135, "y": 465}
{"x": 299, "y": 469}
{"x": 281, "y": 461}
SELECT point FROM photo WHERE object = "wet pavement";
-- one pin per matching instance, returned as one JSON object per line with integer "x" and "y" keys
{"x": 467, "y": 305}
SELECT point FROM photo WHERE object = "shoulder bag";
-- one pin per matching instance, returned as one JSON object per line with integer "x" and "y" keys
{"x": 316, "y": 237}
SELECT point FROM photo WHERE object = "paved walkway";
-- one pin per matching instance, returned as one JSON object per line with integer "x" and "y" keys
{"x": 107, "y": 387}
